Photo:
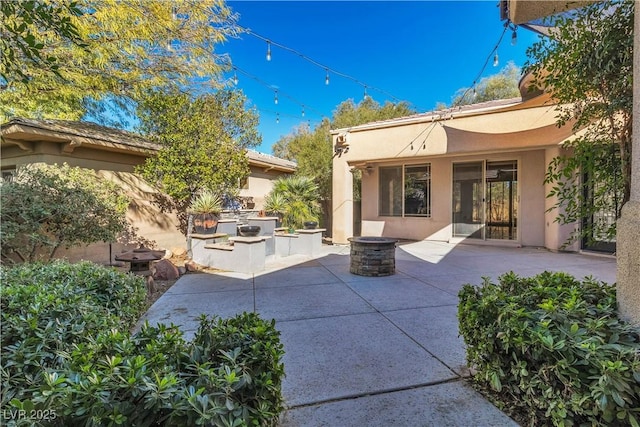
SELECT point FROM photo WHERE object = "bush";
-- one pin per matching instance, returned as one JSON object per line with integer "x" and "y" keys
{"x": 66, "y": 328}
{"x": 46, "y": 207}
{"x": 47, "y": 308}
{"x": 552, "y": 348}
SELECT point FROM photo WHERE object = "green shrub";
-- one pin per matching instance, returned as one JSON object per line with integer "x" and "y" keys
{"x": 47, "y": 207}
{"x": 46, "y": 308}
{"x": 553, "y": 349}
{"x": 66, "y": 350}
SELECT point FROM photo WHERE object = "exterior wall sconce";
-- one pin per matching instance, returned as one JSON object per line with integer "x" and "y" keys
{"x": 341, "y": 146}
{"x": 340, "y": 149}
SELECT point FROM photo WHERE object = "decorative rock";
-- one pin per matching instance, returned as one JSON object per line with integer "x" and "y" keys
{"x": 151, "y": 284}
{"x": 191, "y": 266}
{"x": 179, "y": 252}
{"x": 165, "y": 270}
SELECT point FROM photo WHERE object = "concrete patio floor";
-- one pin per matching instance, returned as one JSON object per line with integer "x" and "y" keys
{"x": 366, "y": 351}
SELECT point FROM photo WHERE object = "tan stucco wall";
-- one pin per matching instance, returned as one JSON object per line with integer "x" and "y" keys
{"x": 438, "y": 226}
{"x": 49, "y": 153}
{"x": 628, "y": 271}
{"x": 259, "y": 184}
{"x": 154, "y": 225}
{"x": 150, "y": 222}
{"x": 520, "y": 134}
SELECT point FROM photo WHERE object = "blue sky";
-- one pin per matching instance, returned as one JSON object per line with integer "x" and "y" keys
{"x": 417, "y": 51}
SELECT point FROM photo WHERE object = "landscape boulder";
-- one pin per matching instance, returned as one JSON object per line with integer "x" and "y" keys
{"x": 165, "y": 270}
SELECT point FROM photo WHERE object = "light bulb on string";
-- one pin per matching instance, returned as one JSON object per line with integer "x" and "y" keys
{"x": 365, "y": 93}
{"x": 268, "y": 50}
{"x": 235, "y": 77}
{"x": 174, "y": 13}
{"x": 326, "y": 79}
{"x": 475, "y": 93}
{"x": 302, "y": 111}
{"x": 495, "y": 60}
{"x": 275, "y": 98}
{"x": 277, "y": 117}
{"x": 514, "y": 37}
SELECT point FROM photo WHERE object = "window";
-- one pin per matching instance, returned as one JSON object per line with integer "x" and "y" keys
{"x": 243, "y": 183}
{"x": 405, "y": 191}
{"x": 7, "y": 174}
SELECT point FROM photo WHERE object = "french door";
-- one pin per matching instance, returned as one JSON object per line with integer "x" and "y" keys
{"x": 485, "y": 200}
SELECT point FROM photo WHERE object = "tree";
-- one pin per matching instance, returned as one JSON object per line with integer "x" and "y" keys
{"x": 503, "y": 85}
{"x": 312, "y": 151}
{"x": 45, "y": 207}
{"x": 204, "y": 142}
{"x": 368, "y": 110}
{"x": 24, "y": 25}
{"x": 593, "y": 85}
{"x": 127, "y": 47}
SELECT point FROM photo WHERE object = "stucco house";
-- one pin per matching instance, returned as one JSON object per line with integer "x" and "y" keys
{"x": 473, "y": 174}
{"x": 113, "y": 154}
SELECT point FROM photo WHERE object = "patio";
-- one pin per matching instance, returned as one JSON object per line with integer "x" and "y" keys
{"x": 373, "y": 351}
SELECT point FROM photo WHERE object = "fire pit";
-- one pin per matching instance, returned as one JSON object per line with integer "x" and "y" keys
{"x": 373, "y": 256}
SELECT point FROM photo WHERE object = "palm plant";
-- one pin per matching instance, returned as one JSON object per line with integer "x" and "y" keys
{"x": 296, "y": 199}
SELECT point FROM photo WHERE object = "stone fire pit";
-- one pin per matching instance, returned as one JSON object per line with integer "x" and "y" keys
{"x": 373, "y": 256}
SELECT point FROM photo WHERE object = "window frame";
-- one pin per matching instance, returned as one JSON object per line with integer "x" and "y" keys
{"x": 388, "y": 211}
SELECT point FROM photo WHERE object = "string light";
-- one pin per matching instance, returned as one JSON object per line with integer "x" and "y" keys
{"x": 514, "y": 36}
{"x": 277, "y": 117}
{"x": 271, "y": 87}
{"x": 507, "y": 25}
{"x": 316, "y": 63}
{"x": 494, "y": 52}
{"x": 235, "y": 77}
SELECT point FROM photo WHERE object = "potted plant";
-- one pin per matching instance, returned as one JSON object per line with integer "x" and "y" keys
{"x": 206, "y": 208}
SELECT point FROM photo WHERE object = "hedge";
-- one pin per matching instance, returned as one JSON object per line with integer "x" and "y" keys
{"x": 552, "y": 349}
{"x": 68, "y": 357}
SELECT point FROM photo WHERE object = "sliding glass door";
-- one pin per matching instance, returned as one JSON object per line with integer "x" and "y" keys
{"x": 485, "y": 200}
{"x": 468, "y": 215}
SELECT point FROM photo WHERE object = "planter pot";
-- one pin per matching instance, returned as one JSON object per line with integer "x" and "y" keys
{"x": 278, "y": 216}
{"x": 205, "y": 223}
{"x": 248, "y": 230}
{"x": 310, "y": 225}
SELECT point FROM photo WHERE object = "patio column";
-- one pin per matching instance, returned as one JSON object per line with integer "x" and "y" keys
{"x": 628, "y": 227}
{"x": 342, "y": 187}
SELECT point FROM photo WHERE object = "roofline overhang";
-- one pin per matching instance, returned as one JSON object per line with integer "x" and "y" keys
{"x": 270, "y": 166}
{"x": 509, "y": 105}
{"x": 69, "y": 140}
{"x": 522, "y": 12}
